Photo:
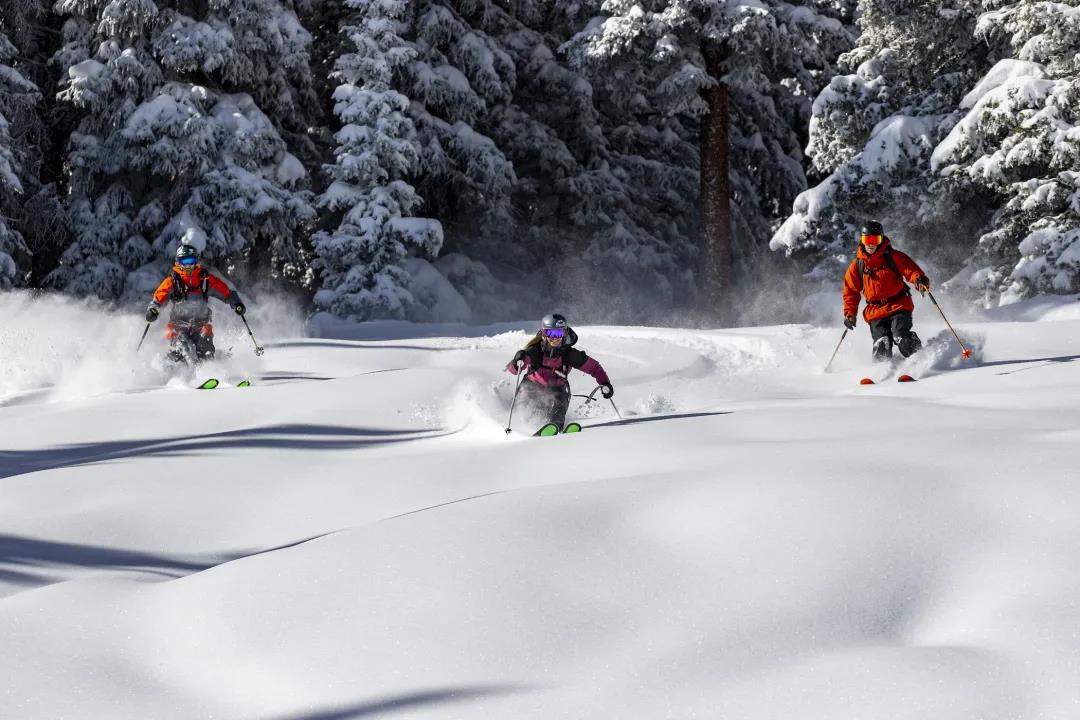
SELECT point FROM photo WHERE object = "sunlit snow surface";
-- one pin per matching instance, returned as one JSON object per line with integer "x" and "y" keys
{"x": 355, "y": 536}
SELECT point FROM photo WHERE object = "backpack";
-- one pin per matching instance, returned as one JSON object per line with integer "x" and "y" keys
{"x": 890, "y": 263}
{"x": 180, "y": 288}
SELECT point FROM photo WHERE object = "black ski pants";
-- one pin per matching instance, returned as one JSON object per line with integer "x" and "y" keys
{"x": 552, "y": 402}
{"x": 190, "y": 344}
{"x": 894, "y": 329}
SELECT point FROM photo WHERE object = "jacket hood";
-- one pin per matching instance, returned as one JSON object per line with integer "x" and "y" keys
{"x": 571, "y": 337}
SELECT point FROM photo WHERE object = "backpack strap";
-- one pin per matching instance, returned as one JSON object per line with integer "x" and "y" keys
{"x": 179, "y": 288}
{"x": 890, "y": 262}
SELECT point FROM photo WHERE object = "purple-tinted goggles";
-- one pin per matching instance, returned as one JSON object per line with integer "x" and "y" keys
{"x": 554, "y": 332}
{"x": 189, "y": 260}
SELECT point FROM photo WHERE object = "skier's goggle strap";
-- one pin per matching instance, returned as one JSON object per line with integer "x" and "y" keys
{"x": 554, "y": 332}
{"x": 189, "y": 260}
{"x": 871, "y": 239}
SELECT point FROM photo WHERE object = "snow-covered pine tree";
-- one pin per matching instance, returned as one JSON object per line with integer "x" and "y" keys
{"x": 736, "y": 77}
{"x": 41, "y": 129}
{"x": 873, "y": 131}
{"x": 600, "y": 215}
{"x": 360, "y": 262}
{"x": 1019, "y": 141}
{"x": 171, "y": 142}
{"x": 460, "y": 84}
{"x": 479, "y": 84}
{"x": 18, "y": 96}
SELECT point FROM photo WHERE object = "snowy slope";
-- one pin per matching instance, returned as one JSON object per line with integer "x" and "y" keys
{"x": 355, "y": 536}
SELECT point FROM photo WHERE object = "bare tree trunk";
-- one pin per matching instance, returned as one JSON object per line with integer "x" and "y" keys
{"x": 716, "y": 190}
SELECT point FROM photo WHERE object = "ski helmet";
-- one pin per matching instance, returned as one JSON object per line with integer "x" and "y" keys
{"x": 554, "y": 320}
{"x": 553, "y": 332}
{"x": 872, "y": 233}
{"x": 187, "y": 255}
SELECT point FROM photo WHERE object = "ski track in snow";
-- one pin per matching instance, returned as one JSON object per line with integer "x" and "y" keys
{"x": 355, "y": 535}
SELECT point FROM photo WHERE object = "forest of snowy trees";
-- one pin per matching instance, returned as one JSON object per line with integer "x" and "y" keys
{"x": 639, "y": 161}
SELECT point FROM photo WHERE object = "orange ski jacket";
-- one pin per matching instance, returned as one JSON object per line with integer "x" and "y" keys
{"x": 880, "y": 282}
{"x": 190, "y": 289}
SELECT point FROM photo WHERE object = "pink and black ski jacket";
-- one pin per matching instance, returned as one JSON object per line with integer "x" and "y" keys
{"x": 551, "y": 371}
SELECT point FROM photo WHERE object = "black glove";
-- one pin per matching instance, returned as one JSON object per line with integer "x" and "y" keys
{"x": 239, "y": 308}
{"x": 152, "y": 313}
{"x": 922, "y": 283}
{"x": 519, "y": 358}
{"x": 849, "y": 322}
{"x": 607, "y": 391}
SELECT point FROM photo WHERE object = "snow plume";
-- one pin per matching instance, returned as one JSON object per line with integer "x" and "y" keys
{"x": 69, "y": 349}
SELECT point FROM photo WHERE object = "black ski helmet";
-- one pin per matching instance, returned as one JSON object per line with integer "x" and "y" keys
{"x": 186, "y": 251}
{"x": 872, "y": 227}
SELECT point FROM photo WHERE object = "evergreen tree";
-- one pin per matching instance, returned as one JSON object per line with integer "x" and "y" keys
{"x": 172, "y": 141}
{"x": 873, "y": 130}
{"x": 460, "y": 83}
{"x": 17, "y": 95}
{"x": 361, "y": 261}
{"x": 734, "y": 78}
{"x": 1018, "y": 141}
{"x": 601, "y": 212}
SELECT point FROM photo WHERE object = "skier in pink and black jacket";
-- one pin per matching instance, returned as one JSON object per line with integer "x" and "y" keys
{"x": 547, "y": 360}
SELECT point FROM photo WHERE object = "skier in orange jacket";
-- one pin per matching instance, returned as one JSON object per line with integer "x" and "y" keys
{"x": 190, "y": 286}
{"x": 878, "y": 274}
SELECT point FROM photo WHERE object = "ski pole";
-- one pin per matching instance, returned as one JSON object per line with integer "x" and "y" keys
{"x": 590, "y": 397}
{"x": 137, "y": 349}
{"x": 829, "y": 364}
{"x": 514, "y": 402}
{"x": 616, "y": 409}
{"x": 258, "y": 348}
{"x": 966, "y": 352}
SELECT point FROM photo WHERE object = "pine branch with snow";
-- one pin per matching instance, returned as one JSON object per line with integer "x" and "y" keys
{"x": 1019, "y": 140}
{"x": 18, "y": 96}
{"x": 173, "y": 142}
{"x": 874, "y": 130}
{"x": 361, "y": 261}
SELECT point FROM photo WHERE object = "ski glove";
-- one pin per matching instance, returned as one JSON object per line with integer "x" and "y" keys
{"x": 239, "y": 308}
{"x": 922, "y": 283}
{"x": 515, "y": 366}
{"x": 607, "y": 391}
{"x": 152, "y": 313}
{"x": 849, "y": 322}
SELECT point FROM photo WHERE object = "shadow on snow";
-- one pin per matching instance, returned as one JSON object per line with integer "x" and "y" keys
{"x": 654, "y": 418}
{"x": 280, "y": 437}
{"x": 414, "y": 700}
{"x": 1045, "y": 362}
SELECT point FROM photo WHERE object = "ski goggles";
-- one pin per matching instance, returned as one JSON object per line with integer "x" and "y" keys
{"x": 188, "y": 261}
{"x": 554, "y": 332}
{"x": 874, "y": 240}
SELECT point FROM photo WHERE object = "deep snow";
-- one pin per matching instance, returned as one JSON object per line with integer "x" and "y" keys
{"x": 355, "y": 536}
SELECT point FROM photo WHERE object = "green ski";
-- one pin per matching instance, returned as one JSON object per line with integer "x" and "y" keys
{"x": 209, "y": 384}
{"x": 572, "y": 428}
{"x": 244, "y": 383}
{"x": 547, "y": 430}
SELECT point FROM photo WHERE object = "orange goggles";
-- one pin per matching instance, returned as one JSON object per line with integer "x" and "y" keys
{"x": 870, "y": 239}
